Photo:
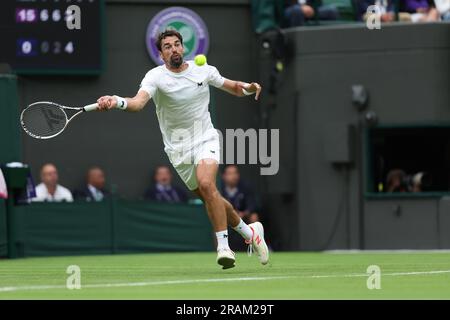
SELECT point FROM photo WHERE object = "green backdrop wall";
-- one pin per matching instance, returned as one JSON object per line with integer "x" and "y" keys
{"x": 115, "y": 226}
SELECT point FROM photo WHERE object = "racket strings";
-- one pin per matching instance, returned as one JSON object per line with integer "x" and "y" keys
{"x": 43, "y": 120}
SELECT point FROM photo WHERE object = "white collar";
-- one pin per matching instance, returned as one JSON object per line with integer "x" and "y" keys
{"x": 231, "y": 191}
{"x": 92, "y": 188}
{"x": 160, "y": 187}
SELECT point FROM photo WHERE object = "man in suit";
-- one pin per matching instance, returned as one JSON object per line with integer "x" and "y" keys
{"x": 162, "y": 190}
{"x": 239, "y": 194}
{"x": 241, "y": 197}
{"x": 94, "y": 190}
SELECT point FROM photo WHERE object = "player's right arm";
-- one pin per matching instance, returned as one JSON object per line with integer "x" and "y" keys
{"x": 135, "y": 104}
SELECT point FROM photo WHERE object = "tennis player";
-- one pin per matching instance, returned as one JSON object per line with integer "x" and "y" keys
{"x": 180, "y": 90}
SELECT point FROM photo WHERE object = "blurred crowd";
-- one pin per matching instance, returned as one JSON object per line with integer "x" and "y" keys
{"x": 398, "y": 180}
{"x": 300, "y": 12}
{"x": 162, "y": 189}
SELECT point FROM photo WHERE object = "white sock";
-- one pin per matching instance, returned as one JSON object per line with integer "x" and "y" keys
{"x": 222, "y": 240}
{"x": 244, "y": 230}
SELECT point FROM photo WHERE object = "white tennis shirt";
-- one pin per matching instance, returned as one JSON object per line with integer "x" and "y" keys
{"x": 61, "y": 194}
{"x": 182, "y": 101}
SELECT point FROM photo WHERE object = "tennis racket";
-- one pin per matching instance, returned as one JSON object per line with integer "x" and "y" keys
{"x": 45, "y": 119}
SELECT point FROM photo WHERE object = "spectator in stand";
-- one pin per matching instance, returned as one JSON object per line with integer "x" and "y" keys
{"x": 238, "y": 194}
{"x": 420, "y": 10}
{"x": 241, "y": 198}
{"x": 162, "y": 190}
{"x": 94, "y": 190}
{"x": 443, "y": 7}
{"x": 296, "y": 12}
{"x": 385, "y": 8}
{"x": 49, "y": 189}
{"x": 395, "y": 181}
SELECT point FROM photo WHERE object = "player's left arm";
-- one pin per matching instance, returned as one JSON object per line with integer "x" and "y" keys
{"x": 241, "y": 89}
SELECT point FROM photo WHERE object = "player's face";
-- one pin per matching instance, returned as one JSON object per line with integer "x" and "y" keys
{"x": 172, "y": 51}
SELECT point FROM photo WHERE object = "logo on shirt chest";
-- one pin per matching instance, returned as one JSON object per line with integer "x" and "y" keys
{"x": 184, "y": 89}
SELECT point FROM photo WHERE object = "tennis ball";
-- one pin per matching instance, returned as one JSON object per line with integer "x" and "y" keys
{"x": 200, "y": 59}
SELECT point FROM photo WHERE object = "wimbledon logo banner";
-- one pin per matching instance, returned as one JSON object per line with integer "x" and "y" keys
{"x": 187, "y": 23}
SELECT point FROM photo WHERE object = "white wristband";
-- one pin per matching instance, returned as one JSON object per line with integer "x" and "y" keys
{"x": 121, "y": 103}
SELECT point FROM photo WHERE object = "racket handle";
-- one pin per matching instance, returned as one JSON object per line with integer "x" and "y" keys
{"x": 90, "y": 107}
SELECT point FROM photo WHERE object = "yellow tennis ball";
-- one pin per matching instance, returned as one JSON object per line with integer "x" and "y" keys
{"x": 200, "y": 59}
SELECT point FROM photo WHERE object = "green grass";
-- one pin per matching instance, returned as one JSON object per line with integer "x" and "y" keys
{"x": 344, "y": 277}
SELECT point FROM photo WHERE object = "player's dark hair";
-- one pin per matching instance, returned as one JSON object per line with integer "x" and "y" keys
{"x": 165, "y": 34}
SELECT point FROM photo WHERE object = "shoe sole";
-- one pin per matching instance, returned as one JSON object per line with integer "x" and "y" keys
{"x": 226, "y": 262}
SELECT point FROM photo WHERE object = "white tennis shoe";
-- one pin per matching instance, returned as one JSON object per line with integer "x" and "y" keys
{"x": 226, "y": 258}
{"x": 258, "y": 243}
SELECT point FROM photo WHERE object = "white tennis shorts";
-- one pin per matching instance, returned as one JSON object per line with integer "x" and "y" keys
{"x": 185, "y": 163}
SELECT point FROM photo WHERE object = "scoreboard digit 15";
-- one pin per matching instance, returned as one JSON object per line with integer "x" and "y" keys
{"x": 52, "y": 36}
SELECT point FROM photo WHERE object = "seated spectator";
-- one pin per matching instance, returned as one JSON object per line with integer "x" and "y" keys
{"x": 296, "y": 12}
{"x": 417, "y": 182}
{"x": 385, "y": 9}
{"x": 421, "y": 182}
{"x": 94, "y": 190}
{"x": 395, "y": 181}
{"x": 49, "y": 189}
{"x": 238, "y": 194}
{"x": 163, "y": 190}
{"x": 241, "y": 198}
{"x": 443, "y": 7}
{"x": 419, "y": 10}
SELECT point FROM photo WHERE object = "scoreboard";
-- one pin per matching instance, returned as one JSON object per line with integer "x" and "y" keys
{"x": 52, "y": 36}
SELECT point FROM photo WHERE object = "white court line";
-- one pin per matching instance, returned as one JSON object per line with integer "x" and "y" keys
{"x": 382, "y": 274}
{"x": 142, "y": 284}
{"x": 383, "y": 251}
{"x": 170, "y": 282}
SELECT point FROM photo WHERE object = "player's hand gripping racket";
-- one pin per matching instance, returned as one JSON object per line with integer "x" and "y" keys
{"x": 45, "y": 119}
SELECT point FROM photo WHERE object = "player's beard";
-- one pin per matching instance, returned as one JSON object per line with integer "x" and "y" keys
{"x": 176, "y": 61}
